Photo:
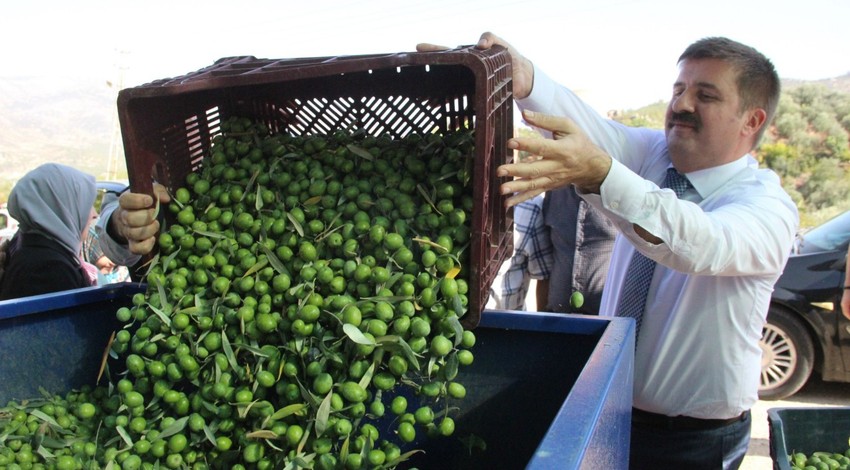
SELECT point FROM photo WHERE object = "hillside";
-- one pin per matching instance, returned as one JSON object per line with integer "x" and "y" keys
{"x": 73, "y": 121}
{"x": 841, "y": 83}
{"x": 68, "y": 121}
{"x": 652, "y": 115}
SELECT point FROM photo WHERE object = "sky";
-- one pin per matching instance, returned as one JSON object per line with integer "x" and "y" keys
{"x": 616, "y": 53}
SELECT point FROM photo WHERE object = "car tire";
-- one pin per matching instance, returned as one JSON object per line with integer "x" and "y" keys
{"x": 787, "y": 355}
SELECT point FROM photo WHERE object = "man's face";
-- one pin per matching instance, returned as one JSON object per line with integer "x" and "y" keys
{"x": 704, "y": 124}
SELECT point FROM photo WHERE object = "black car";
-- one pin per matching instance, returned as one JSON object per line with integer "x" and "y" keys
{"x": 805, "y": 329}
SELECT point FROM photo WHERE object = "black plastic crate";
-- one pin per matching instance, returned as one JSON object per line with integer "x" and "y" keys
{"x": 168, "y": 125}
{"x": 807, "y": 430}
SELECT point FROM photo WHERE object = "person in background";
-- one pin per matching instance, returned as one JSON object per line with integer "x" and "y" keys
{"x": 107, "y": 272}
{"x": 845, "y": 297}
{"x": 54, "y": 207}
{"x": 712, "y": 230}
{"x": 580, "y": 242}
{"x": 582, "y": 239}
{"x": 531, "y": 259}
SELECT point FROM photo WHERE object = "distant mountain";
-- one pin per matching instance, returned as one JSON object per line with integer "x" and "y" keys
{"x": 43, "y": 120}
{"x": 841, "y": 83}
{"x": 652, "y": 115}
{"x": 73, "y": 121}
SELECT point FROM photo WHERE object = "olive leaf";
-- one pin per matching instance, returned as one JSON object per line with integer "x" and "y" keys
{"x": 258, "y": 200}
{"x": 208, "y": 432}
{"x": 288, "y": 410}
{"x": 176, "y": 427}
{"x": 228, "y": 351}
{"x": 272, "y": 258}
{"x": 162, "y": 316}
{"x": 304, "y": 439}
{"x": 457, "y": 306}
{"x": 367, "y": 376}
{"x": 312, "y": 200}
{"x": 360, "y": 152}
{"x": 156, "y": 208}
{"x": 450, "y": 369}
{"x": 250, "y": 183}
{"x": 398, "y": 344}
{"x": 300, "y": 461}
{"x": 455, "y": 325}
{"x": 440, "y": 248}
{"x": 261, "y": 434}
{"x": 323, "y": 413}
{"x": 209, "y": 234}
{"x": 168, "y": 259}
{"x": 298, "y": 227}
{"x": 44, "y": 453}
{"x": 260, "y": 264}
{"x": 403, "y": 457}
{"x": 354, "y": 334}
{"x": 125, "y": 436}
{"x": 163, "y": 299}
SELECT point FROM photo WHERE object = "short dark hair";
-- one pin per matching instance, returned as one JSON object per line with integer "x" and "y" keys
{"x": 758, "y": 83}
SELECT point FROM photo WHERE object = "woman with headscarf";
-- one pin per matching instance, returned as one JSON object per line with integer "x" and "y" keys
{"x": 54, "y": 205}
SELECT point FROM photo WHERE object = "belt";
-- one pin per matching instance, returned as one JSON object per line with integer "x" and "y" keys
{"x": 682, "y": 423}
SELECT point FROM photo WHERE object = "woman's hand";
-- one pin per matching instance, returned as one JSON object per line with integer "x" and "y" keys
{"x": 134, "y": 221}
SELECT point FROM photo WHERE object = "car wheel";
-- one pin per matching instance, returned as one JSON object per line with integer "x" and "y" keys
{"x": 787, "y": 355}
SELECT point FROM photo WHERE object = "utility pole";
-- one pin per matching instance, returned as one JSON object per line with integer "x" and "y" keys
{"x": 116, "y": 147}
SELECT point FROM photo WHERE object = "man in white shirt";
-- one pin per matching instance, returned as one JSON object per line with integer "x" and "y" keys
{"x": 719, "y": 249}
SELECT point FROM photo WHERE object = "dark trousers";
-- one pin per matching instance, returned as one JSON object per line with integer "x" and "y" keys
{"x": 655, "y": 446}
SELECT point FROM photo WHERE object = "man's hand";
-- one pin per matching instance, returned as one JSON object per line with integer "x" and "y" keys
{"x": 134, "y": 221}
{"x": 568, "y": 158}
{"x": 523, "y": 69}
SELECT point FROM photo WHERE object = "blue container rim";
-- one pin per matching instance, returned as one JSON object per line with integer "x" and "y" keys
{"x": 13, "y": 308}
{"x": 581, "y": 413}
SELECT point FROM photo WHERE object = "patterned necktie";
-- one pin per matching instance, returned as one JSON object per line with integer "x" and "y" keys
{"x": 639, "y": 274}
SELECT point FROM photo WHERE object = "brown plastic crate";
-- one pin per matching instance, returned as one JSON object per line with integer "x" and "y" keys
{"x": 168, "y": 124}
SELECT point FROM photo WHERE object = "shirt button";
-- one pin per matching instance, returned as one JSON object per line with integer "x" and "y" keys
{"x": 615, "y": 205}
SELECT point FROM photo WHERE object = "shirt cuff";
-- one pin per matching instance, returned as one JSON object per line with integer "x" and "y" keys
{"x": 623, "y": 193}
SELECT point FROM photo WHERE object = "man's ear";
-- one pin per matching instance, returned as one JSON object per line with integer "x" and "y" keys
{"x": 755, "y": 120}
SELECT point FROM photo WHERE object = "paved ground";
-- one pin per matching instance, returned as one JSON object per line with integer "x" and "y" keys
{"x": 815, "y": 393}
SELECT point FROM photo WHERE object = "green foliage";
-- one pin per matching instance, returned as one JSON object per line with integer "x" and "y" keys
{"x": 651, "y": 116}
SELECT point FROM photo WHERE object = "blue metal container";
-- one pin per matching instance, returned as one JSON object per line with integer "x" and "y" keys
{"x": 545, "y": 391}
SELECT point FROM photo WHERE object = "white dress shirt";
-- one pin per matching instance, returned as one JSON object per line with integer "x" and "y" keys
{"x": 725, "y": 244}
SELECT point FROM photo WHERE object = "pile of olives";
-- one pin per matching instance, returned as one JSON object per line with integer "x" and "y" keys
{"x": 302, "y": 311}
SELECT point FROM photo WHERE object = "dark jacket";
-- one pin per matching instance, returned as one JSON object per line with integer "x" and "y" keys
{"x": 39, "y": 265}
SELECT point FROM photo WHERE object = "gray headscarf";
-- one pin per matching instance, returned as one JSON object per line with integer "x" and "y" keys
{"x": 55, "y": 201}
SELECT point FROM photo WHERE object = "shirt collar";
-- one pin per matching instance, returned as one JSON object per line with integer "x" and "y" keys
{"x": 708, "y": 180}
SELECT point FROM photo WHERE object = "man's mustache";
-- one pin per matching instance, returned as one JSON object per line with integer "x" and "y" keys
{"x": 689, "y": 119}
